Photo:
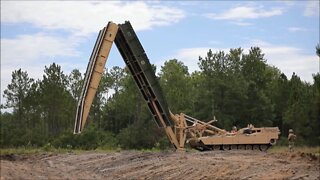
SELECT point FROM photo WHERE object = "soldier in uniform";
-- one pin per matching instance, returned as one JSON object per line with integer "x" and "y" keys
{"x": 291, "y": 139}
{"x": 234, "y": 129}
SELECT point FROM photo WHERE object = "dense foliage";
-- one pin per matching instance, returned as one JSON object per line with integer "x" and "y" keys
{"x": 235, "y": 87}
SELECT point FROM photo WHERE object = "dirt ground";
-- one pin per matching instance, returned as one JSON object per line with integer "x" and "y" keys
{"x": 162, "y": 165}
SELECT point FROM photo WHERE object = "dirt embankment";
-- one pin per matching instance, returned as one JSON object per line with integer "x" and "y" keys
{"x": 162, "y": 165}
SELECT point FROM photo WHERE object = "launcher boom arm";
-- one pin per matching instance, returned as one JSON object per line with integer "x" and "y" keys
{"x": 140, "y": 68}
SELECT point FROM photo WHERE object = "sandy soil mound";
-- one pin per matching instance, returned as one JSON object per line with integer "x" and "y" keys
{"x": 162, "y": 165}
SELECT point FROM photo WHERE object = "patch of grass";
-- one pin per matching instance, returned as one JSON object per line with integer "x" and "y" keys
{"x": 23, "y": 150}
{"x": 33, "y": 150}
{"x": 20, "y": 150}
{"x": 150, "y": 150}
{"x": 305, "y": 149}
{"x": 105, "y": 150}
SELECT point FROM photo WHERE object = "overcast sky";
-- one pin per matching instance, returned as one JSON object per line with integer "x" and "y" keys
{"x": 37, "y": 33}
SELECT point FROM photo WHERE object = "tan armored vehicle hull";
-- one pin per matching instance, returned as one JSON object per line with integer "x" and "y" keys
{"x": 255, "y": 138}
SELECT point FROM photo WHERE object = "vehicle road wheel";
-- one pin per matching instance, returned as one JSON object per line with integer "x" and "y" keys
{"x": 216, "y": 147}
{"x": 264, "y": 147}
{"x": 226, "y": 147}
{"x": 233, "y": 147}
{"x": 256, "y": 147}
{"x": 242, "y": 147}
{"x": 248, "y": 147}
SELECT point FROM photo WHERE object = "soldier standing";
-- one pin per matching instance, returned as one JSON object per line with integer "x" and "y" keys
{"x": 234, "y": 129}
{"x": 291, "y": 139}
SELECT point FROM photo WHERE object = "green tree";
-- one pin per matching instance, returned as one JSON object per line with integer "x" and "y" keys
{"x": 36, "y": 124}
{"x": 254, "y": 66}
{"x": 223, "y": 88}
{"x": 8, "y": 136}
{"x": 213, "y": 85}
{"x": 16, "y": 98}
{"x": 16, "y": 93}
{"x": 56, "y": 101}
{"x": 116, "y": 75}
{"x": 315, "y": 111}
{"x": 299, "y": 115}
{"x": 174, "y": 79}
{"x": 124, "y": 107}
{"x": 278, "y": 93}
{"x": 75, "y": 83}
{"x": 258, "y": 109}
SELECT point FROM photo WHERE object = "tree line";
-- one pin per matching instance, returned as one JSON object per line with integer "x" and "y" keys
{"x": 237, "y": 88}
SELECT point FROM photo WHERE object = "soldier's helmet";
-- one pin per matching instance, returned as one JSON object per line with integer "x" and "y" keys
{"x": 290, "y": 130}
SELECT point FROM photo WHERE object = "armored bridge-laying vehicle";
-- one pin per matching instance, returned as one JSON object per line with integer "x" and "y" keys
{"x": 179, "y": 128}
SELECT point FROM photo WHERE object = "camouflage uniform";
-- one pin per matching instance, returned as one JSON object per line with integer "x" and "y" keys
{"x": 291, "y": 139}
{"x": 234, "y": 129}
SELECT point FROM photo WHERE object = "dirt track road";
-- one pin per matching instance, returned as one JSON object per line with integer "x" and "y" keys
{"x": 161, "y": 165}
